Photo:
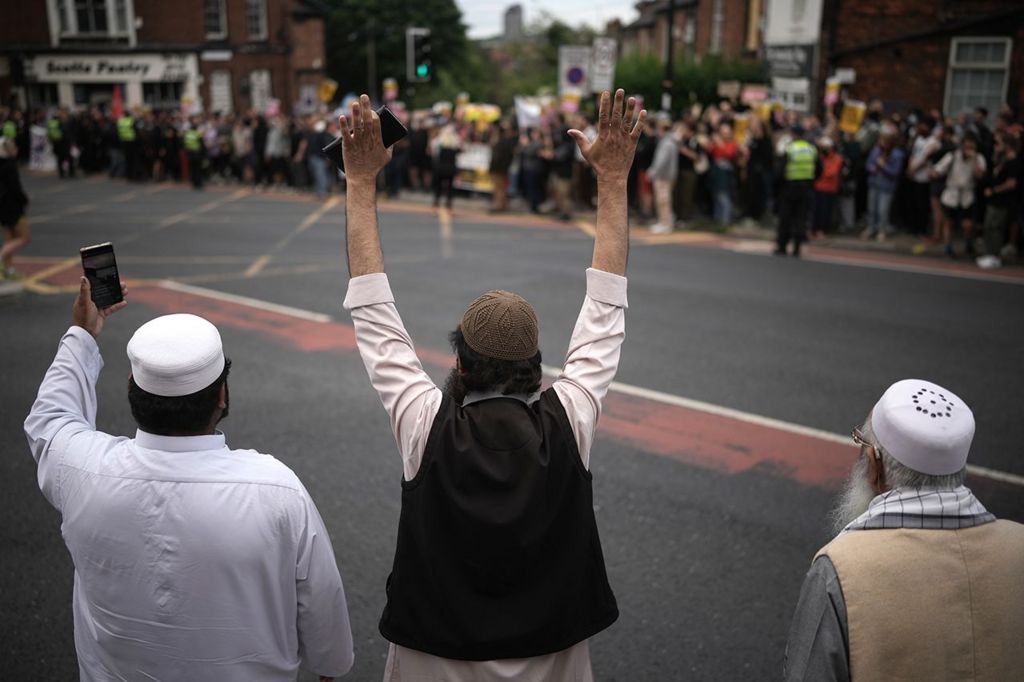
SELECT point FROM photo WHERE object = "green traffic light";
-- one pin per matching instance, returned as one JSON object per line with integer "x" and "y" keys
{"x": 422, "y": 70}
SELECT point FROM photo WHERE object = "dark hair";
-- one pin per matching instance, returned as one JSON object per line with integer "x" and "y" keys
{"x": 186, "y": 415}
{"x": 1008, "y": 140}
{"x": 981, "y": 110}
{"x": 482, "y": 373}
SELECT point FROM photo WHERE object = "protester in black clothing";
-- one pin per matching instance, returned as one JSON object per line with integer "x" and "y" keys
{"x": 419, "y": 156}
{"x": 1002, "y": 198}
{"x": 561, "y": 163}
{"x": 502, "y": 154}
{"x": 532, "y": 167}
{"x": 60, "y": 132}
{"x": 259, "y": 148}
{"x": 446, "y": 148}
{"x": 760, "y": 161}
{"x": 13, "y": 203}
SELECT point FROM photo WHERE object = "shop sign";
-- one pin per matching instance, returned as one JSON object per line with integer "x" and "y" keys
{"x": 111, "y": 68}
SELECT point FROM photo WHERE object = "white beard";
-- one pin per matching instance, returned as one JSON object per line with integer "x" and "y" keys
{"x": 854, "y": 499}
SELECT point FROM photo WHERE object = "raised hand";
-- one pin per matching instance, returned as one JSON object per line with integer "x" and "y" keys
{"x": 86, "y": 315}
{"x": 362, "y": 146}
{"x": 611, "y": 154}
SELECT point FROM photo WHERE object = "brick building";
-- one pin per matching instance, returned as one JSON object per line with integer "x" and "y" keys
{"x": 950, "y": 55}
{"x": 213, "y": 55}
{"x": 701, "y": 27}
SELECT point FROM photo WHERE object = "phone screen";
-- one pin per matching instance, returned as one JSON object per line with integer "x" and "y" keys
{"x": 100, "y": 267}
{"x": 391, "y": 131}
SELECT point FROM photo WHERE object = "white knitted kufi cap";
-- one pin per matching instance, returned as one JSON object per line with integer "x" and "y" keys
{"x": 924, "y": 426}
{"x": 176, "y": 355}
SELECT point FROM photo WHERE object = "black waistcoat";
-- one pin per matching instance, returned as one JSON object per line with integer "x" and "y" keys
{"x": 498, "y": 554}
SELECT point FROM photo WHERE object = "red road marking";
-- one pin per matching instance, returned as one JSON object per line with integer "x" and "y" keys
{"x": 688, "y": 435}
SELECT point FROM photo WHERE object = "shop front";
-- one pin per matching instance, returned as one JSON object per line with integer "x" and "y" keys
{"x": 156, "y": 81}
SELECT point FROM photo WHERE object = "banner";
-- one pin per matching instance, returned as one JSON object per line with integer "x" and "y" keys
{"x": 528, "y": 112}
{"x": 327, "y": 89}
{"x": 852, "y": 116}
{"x": 740, "y": 125}
{"x": 473, "y": 164}
{"x": 602, "y": 64}
{"x": 793, "y": 22}
{"x": 831, "y": 92}
{"x": 573, "y": 69}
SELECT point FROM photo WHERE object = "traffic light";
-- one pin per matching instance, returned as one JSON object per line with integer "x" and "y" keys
{"x": 418, "y": 66}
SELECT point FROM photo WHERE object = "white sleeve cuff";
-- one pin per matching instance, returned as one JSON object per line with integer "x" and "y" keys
{"x": 607, "y": 287}
{"x": 368, "y": 290}
{"x": 84, "y": 347}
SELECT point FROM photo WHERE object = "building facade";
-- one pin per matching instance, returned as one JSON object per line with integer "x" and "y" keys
{"x": 200, "y": 55}
{"x": 950, "y": 55}
{"x": 730, "y": 28}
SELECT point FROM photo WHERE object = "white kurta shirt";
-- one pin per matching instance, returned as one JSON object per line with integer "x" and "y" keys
{"x": 192, "y": 561}
{"x": 412, "y": 400}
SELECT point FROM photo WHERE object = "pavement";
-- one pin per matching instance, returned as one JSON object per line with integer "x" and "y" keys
{"x": 721, "y": 444}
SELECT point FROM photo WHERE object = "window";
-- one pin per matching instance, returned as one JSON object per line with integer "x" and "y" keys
{"x": 979, "y": 73}
{"x": 259, "y": 89}
{"x": 214, "y": 19}
{"x": 162, "y": 96}
{"x": 120, "y": 16}
{"x": 62, "y": 16}
{"x": 256, "y": 19}
{"x": 220, "y": 91}
{"x": 91, "y": 18}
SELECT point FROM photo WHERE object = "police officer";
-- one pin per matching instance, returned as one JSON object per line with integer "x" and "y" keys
{"x": 129, "y": 145}
{"x": 800, "y": 168}
{"x": 58, "y": 130}
{"x": 192, "y": 140}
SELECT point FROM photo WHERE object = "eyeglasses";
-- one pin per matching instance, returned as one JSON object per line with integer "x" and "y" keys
{"x": 863, "y": 442}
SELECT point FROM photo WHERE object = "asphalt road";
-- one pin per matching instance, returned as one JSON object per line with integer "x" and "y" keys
{"x": 706, "y": 559}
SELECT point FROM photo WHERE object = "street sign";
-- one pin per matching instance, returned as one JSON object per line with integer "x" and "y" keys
{"x": 573, "y": 69}
{"x": 602, "y": 64}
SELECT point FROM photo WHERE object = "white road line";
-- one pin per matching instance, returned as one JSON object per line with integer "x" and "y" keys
{"x": 308, "y": 221}
{"x": 444, "y": 217}
{"x": 246, "y": 301}
{"x": 627, "y": 389}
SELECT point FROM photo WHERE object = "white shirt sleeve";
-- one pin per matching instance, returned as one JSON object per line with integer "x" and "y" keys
{"x": 593, "y": 356}
{"x": 409, "y": 396}
{"x": 324, "y": 631}
{"x": 65, "y": 409}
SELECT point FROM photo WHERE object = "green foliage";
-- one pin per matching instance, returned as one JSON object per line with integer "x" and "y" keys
{"x": 527, "y": 67}
{"x": 351, "y": 23}
{"x": 692, "y": 80}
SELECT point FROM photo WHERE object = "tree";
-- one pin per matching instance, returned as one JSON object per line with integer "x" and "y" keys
{"x": 693, "y": 81}
{"x": 352, "y": 23}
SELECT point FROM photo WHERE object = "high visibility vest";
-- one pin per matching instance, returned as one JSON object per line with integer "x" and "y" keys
{"x": 800, "y": 158}
{"x": 54, "y": 130}
{"x": 126, "y": 129}
{"x": 193, "y": 143}
{"x": 10, "y": 130}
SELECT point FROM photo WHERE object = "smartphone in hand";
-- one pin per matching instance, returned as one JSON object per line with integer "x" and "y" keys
{"x": 391, "y": 131}
{"x": 100, "y": 268}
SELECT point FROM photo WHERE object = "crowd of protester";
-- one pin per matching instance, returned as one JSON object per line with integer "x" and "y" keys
{"x": 926, "y": 174}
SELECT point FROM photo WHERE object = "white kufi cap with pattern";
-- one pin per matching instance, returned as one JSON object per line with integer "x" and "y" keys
{"x": 924, "y": 426}
{"x": 176, "y": 355}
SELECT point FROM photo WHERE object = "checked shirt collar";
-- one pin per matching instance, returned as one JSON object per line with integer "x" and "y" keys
{"x": 923, "y": 508}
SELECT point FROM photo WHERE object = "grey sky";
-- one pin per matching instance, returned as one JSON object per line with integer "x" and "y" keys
{"x": 485, "y": 17}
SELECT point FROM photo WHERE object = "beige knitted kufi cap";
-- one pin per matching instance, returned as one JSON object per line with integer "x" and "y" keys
{"x": 501, "y": 325}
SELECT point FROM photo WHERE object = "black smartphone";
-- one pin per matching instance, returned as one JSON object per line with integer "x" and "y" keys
{"x": 391, "y": 131}
{"x": 101, "y": 268}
